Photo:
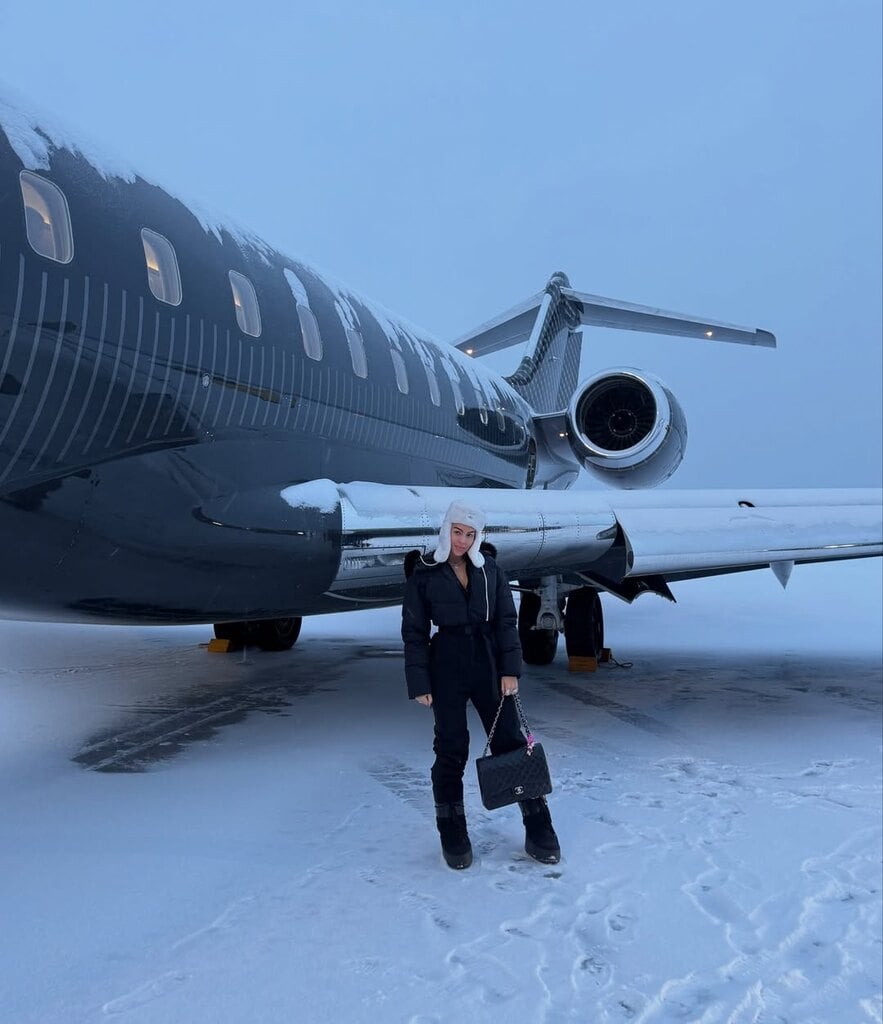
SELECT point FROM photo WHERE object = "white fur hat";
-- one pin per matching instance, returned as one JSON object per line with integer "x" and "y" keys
{"x": 467, "y": 515}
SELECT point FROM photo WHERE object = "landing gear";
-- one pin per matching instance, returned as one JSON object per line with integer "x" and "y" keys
{"x": 268, "y": 634}
{"x": 584, "y": 624}
{"x": 235, "y": 632}
{"x": 538, "y": 646}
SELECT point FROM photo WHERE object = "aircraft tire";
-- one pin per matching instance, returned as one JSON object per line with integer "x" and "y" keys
{"x": 538, "y": 646}
{"x": 268, "y": 634}
{"x": 235, "y": 632}
{"x": 584, "y": 624}
{"x": 277, "y": 634}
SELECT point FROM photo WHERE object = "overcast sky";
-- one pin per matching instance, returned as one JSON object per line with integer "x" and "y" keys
{"x": 713, "y": 158}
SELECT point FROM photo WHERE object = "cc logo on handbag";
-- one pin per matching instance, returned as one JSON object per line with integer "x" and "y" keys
{"x": 519, "y": 790}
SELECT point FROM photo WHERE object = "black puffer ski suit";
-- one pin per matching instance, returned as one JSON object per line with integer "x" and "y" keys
{"x": 476, "y": 643}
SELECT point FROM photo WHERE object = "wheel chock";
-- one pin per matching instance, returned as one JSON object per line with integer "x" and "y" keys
{"x": 217, "y": 646}
{"x": 576, "y": 663}
{"x": 606, "y": 655}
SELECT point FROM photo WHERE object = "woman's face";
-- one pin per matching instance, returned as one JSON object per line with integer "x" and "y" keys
{"x": 462, "y": 539}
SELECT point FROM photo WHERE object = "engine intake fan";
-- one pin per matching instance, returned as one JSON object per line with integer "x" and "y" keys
{"x": 627, "y": 428}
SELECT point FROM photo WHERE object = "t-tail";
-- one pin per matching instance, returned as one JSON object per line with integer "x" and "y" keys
{"x": 624, "y": 425}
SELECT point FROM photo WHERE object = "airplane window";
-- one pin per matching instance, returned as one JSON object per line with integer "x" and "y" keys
{"x": 531, "y": 464}
{"x": 482, "y": 412}
{"x": 248, "y": 314}
{"x": 309, "y": 325}
{"x": 47, "y": 218}
{"x": 501, "y": 419}
{"x": 357, "y": 352}
{"x": 401, "y": 372}
{"x": 431, "y": 380}
{"x": 162, "y": 267}
{"x": 458, "y": 398}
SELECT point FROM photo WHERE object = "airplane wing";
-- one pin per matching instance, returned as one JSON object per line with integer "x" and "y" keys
{"x": 626, "y": 543}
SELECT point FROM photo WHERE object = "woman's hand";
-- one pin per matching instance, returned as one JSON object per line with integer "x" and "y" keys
{"x": 509, "y": 685}
{"x": 425, "y": 699}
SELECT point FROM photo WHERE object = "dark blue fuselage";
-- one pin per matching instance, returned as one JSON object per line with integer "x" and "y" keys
{"x": 130, "y": 428}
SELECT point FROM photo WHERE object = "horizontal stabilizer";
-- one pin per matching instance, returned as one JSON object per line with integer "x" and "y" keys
{"x": 510, "y": 328}
{"x": 515, "y": 325}
{"x": 627, "y": 316}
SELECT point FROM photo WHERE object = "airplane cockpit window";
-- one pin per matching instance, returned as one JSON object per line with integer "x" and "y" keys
{"x": 309, "y": 326}
{"x": 482, "y": 412}
{"x": 400, "y": 369}
{"x": 162, "y": 267}
{"x": 47, "y": 218}
{"x": 357, "y": 352}
{"x": 248, "y": 314}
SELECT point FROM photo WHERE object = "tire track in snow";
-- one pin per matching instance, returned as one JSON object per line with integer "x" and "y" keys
{"x": 175, "y": 721}
{"x": 404, "y": 782}
{"x": 622, "y": 712}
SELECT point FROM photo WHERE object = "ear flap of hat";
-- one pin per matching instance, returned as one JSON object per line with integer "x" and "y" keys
{"x": 443, "y": 548}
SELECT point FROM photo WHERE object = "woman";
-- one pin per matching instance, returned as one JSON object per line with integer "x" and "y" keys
{"x": 475, "y": 655}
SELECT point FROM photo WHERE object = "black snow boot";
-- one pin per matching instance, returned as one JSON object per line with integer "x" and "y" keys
{"x": 456, "y": 848}
{"x": 540, "y": 840}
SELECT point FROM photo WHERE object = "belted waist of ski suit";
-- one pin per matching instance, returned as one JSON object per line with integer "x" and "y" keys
{"x": 473, "y": 629}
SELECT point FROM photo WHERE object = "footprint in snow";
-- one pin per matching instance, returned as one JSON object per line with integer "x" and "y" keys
{"x": 513, "y": 878}
{"x": 486, "y": 974}
{"x": 151, "y": 990}
{"x": 430, "y": 908}
{"x": 709, "y": 893}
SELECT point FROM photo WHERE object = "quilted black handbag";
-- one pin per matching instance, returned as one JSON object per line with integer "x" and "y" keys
{"x": 521, "y": 774}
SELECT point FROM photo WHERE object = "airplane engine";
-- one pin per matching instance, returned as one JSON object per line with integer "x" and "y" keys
{"x": 627, "y": 428}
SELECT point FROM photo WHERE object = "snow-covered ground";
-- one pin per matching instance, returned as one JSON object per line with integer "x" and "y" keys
{"x": 190, "y": 837}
